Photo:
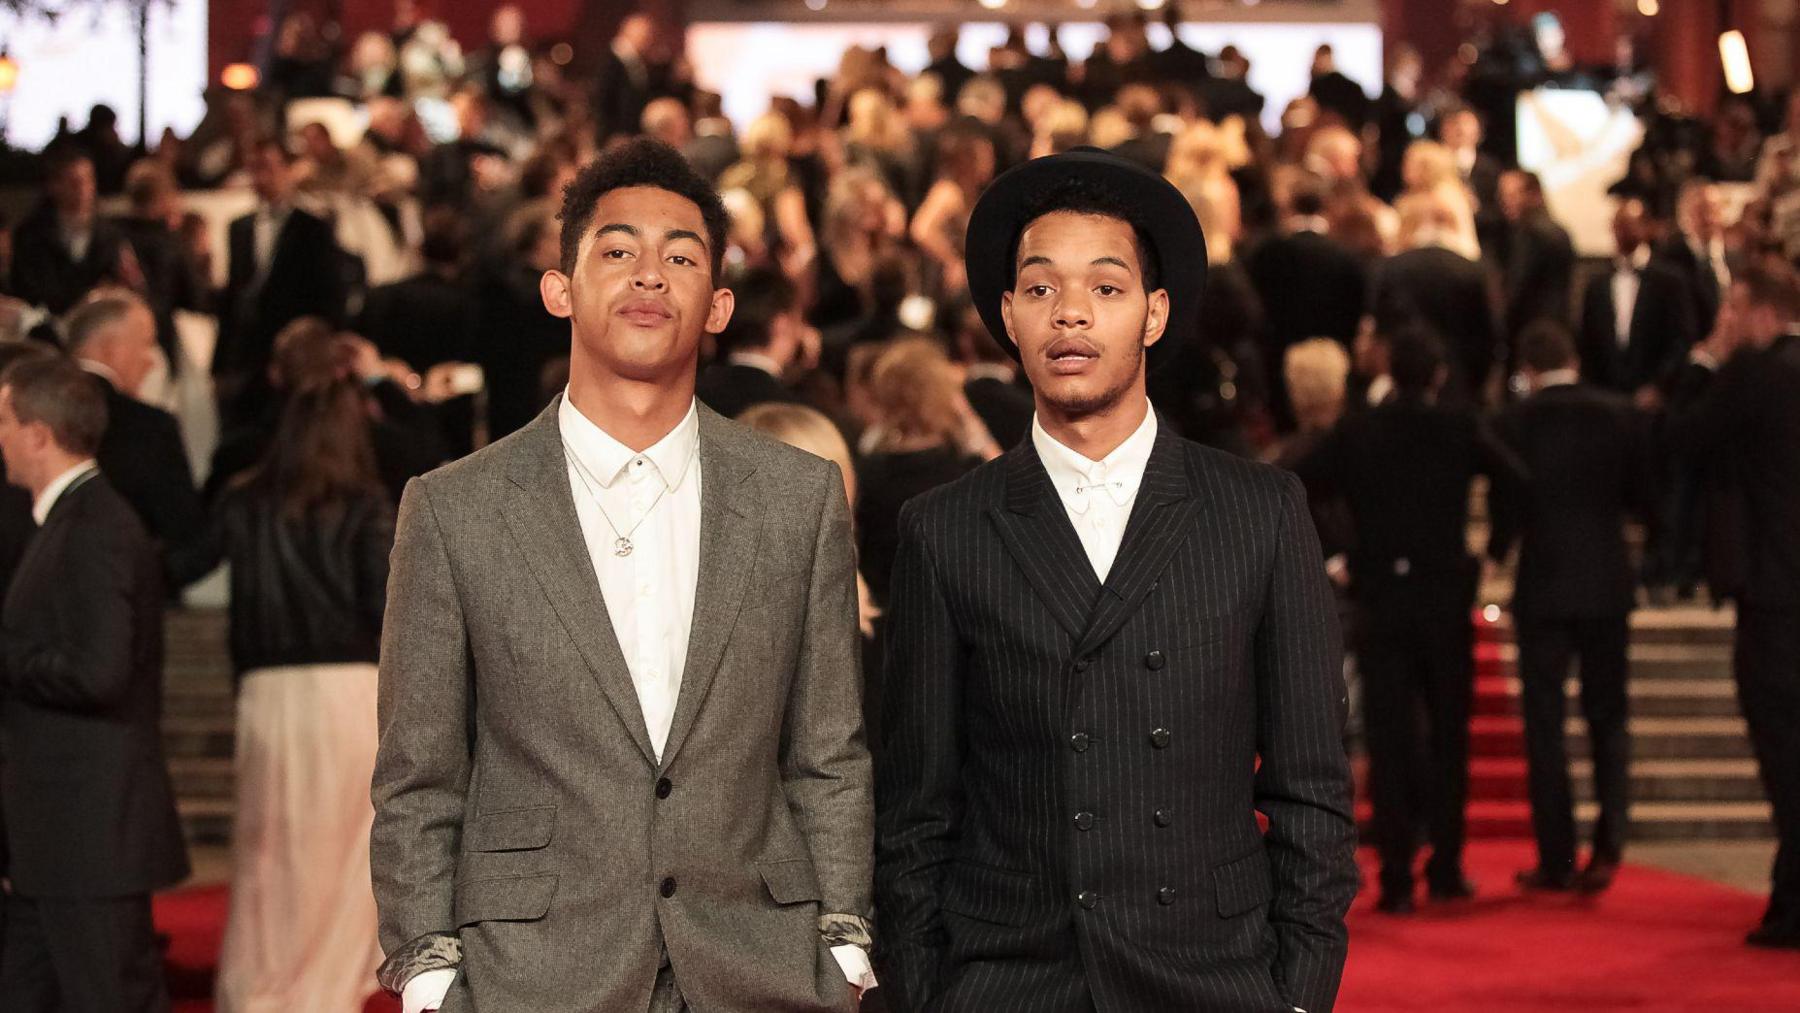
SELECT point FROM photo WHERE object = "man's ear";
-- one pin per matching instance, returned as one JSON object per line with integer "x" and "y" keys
{"x": 719, "y": 314}
{"x": 1156, "y": 321}
{"x": 554, "y": 289}
{"x": 1006, "y": 301}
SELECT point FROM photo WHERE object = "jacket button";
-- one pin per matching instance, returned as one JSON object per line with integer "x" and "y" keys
{"x": 1160, "y": 738}
{"x": 1087, "y": 899}
{"x": 1079, "y": 742}
{"x": 1084, "y": 820}
{"x": 1164, "y": 817}
{"x": 663, "y": 787}
{"x": 1083, "y": 663}
{"x": 1166, "y": 895}
{"x": 668, "y": 886}
{"x": 1154, "y": 660}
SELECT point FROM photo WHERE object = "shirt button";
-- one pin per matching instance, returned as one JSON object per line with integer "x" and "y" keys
{"x": 1079, "y": 742}
{"x": 1154, "y": 660}
{"x": 1084, "y": 821}
{"x": 1164, "y": 817}
{"x": 668, "y": 887}
{"x": 1087, "y": 899}
{"x": 663, "y": 787}
{"x": 1160, "y": 738}
{"x": 1166, "y": 895}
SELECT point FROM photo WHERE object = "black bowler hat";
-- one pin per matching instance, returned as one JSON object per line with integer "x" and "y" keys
{"x": 1158, "y": 209}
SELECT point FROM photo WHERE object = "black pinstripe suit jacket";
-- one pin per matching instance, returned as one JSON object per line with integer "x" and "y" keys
{"x": 1068, "y": 787}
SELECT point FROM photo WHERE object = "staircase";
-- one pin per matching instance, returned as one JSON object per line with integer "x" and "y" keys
{"x": 1692, "y": 773}
{"x": 198, "y": 716}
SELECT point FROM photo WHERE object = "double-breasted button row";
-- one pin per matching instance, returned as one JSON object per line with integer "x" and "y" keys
{"x": 1080, "y": 741}
{"x": 1084, "y": 820}
{"x": 1163, "y": 817}
{"x": 1088, "y": 899}
{"x": 1166, "y": 895}
{"x": 1154, "y": 661}
{"x": 1159, "y": 738}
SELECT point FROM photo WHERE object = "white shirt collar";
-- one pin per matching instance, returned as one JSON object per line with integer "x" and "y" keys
{"x": 1379, "y": 389}
{"x": 101, "y": 370}
{"x": 755, "y": 360}
{"x": 1639, "y": 259}
{"x": 1558, "y": 378}
{"x": 606, "y": 459}
{"x": 46, "y": 500}
{"x": 1118, "y": 473}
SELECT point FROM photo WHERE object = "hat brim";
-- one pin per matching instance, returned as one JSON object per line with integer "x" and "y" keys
{"x": 1166, "y": 217}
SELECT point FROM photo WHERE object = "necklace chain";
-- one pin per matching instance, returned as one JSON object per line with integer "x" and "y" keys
{"x": 621, "y": 541}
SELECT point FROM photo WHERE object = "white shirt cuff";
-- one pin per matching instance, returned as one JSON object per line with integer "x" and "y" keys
{"x": 854, "y": 961}
{"x": 427, "y": 989}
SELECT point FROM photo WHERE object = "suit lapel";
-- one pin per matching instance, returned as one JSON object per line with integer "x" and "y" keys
{"x": 730, "y": 522}
{"x": 549, "y": 536}
{"x": 1036, "y": 530}
{"x": 1162, "y": 517}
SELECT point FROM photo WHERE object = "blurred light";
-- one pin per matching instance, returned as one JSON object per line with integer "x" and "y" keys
{"x": 1735, "y": 55}
{"x": 1491, "y": 613}
{"x": 1086, "y": 5}
{"x": 561, "y": 54}
{"x": 1499, "y": 3}
{"x": 993, "y": 5}
{"x": 240, "y": 77}
{"x": 1467, "y": 53}
{"x": 815, "y": 5}
{"x": 1649, "y": 8}
{"x": 1151, "y": 5}
{"x": 9, "y": 74}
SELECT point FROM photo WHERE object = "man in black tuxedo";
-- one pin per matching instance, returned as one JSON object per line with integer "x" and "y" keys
{"x": 762, "y": 340}
{"x": 1637, "y": 317}
{"x": 1310, "y": 287}
{"x": 64, "y": 248}
{"x": 285, "y": 264}
{"x": 1751, "y": 412}
{"x": 91, "y": 828}
{"x": 1697, "y": 249}
{"x": 1447, "y": 293}
{"x": 625, "y": 80}
{"x": 432, "y": 316}
{"x": 1540, "y": 258}
{"x": 1094, "y": 640}
{"x": 113, "y": 336}
{"x": 1584, "y": 447}
{"x": 1461, "y": 131}
{"x": 172, "y": 279}
{"x": 1404, "y": 468}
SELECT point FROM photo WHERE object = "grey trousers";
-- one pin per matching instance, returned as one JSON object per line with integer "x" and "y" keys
{"x": 665, "y": 997}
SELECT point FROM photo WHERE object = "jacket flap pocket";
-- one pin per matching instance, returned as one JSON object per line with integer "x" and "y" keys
{"x": 791, "y": 881}
{"x": 1242, "y": 884}
{"x": 994, "y": 895}
{"x": 504, "y": 899}
{"x": 511, "y": 829}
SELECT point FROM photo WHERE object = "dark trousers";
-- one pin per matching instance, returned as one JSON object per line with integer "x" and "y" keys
{"x": 1418, "y": 688}
{"x": 81, "y": 955}
{"x": 1768, "y": 676}
{"x": 1547, "y": 646}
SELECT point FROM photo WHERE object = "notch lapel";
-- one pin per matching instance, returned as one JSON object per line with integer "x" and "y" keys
{"x": 1037, "y": 532}
{"x": 549, "y": 536}
{"x": 730, "y": 525}
{"x": 1162, "y": 518}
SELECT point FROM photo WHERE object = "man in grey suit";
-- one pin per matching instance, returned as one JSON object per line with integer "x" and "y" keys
{"x": 622, "y": 762}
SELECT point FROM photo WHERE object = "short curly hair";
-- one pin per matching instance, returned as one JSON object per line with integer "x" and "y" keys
{"x": 641, "y": 161}
{"x": 1088, "y": 197}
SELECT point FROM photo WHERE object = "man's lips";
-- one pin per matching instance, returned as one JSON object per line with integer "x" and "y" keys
{"x": 645, "y": 312}
{"x": 1071, "y": 355}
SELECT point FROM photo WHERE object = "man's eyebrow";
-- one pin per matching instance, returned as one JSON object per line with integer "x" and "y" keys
{"x": 1040, "y": 259}
{"x": 1116, "y": 262}
{"x": 686, "y": 234}
{"x": 1033, "y": 261}
{"x": 630, "y": 230}
{"x": 634, "y": 232}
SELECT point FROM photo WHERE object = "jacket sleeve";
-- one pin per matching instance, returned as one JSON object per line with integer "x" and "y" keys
{"x": 824, "y": 762}
{"x": 1303, "y": 782}
{"x": 918, "y": 780}
{"x": 423, "y": 763}
{"x": 82, "y": 659}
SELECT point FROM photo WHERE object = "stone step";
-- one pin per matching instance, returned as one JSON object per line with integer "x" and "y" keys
{"x": 205, "y": 820}
{"x": 1698, "y": 698}
{"x": 1647, "y": 661}
{"x": 1681, "y": 780}
{"x": 202, "y": 736}
{"x": 202, "y": 776}
{"x": 1682, "y": 625}
{"x": 1650, "y": 821}
{"x": 1652, "y": 738}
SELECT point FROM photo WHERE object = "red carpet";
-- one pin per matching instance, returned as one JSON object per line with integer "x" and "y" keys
{"x": 1657, "y": 942}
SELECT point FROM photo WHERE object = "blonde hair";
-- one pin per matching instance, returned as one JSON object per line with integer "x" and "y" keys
{"x": 1316, "y": 370}
{"x": 807, "y": 429}
{"x": 1425, "y": 217}
{"x": 914, "y": 389}
{"x": 1427, "y": 164}
{"x": 874, "y": 121}
{"x": 769, "y": 136}
{"x": 1109, "y": 127}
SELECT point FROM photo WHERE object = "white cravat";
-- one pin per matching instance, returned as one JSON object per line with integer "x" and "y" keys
{"x": 46, "y": 500}
{"x": 265, "y": 230}
{"x": 654, "y": 498}
{"x": 1625, "y": 284}
{"x": 1098, "y": 494}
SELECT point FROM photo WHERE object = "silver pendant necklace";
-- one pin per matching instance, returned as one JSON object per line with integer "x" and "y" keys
{"x": 621, "y": 542}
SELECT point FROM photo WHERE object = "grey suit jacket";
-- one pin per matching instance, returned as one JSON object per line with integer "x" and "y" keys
{"x": 517, "y": 798}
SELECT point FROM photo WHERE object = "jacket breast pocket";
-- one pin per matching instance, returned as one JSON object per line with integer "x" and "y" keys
{"x": 503, "y": 899}
{"x": 510, "y": 829}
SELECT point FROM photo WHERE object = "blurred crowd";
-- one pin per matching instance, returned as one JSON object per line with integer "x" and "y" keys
{"x": 1377, "y": 247}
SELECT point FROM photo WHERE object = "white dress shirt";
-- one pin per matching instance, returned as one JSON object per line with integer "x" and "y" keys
{"x": 653, "y": 498}
{"x": 46, "y": 500}
{"x": 1625, "y": 285}
{"x": 1098, "y": 494}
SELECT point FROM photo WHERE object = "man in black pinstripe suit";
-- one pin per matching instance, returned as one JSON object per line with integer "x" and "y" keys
{"x": 1109, "y": 650}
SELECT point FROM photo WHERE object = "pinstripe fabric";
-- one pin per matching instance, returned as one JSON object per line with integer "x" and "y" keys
{"x": 1216, "y": 632}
